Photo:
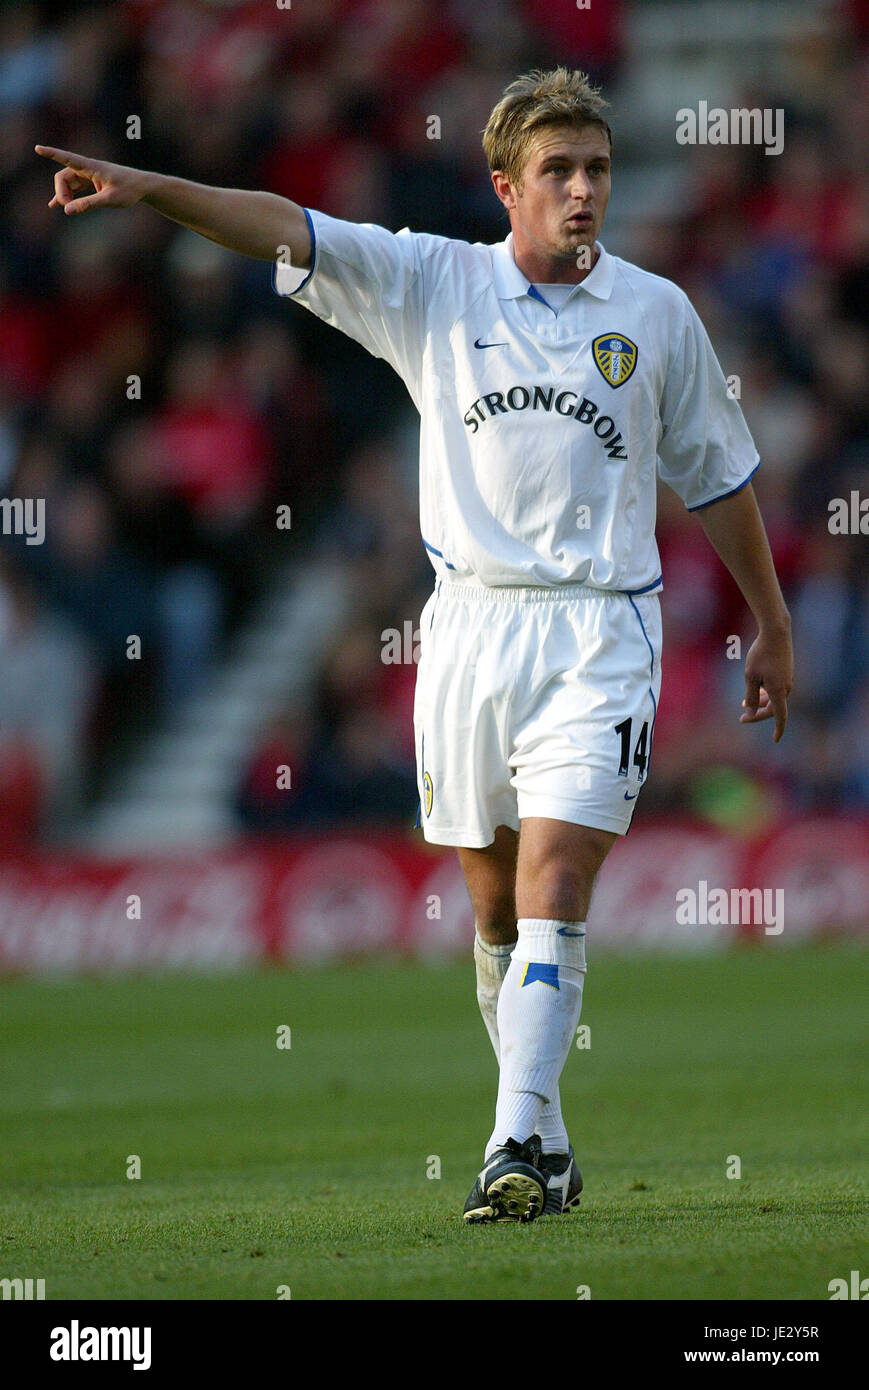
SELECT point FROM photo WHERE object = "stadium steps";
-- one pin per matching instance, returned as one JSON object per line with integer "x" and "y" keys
{"x": 177, "y": 792}
{"x": 681, "y": 52}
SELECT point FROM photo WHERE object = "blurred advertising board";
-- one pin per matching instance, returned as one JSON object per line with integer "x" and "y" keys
{"x": 677, "y": 886}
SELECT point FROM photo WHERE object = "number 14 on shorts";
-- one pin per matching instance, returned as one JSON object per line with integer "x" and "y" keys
{"x": 640, "y": 758}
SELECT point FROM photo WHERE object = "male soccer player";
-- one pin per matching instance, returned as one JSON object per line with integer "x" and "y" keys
{"x": 554, "y": 382}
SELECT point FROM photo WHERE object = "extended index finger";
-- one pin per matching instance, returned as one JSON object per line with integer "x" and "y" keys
{"x": 72, "y": 161}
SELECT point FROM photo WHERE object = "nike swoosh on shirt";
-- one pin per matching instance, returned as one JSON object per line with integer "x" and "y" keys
{"x": 628, "y": 796}
{"x": 478, "y": 344}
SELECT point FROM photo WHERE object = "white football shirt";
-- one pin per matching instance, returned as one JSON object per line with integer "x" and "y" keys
{"x": 541, "y": 427}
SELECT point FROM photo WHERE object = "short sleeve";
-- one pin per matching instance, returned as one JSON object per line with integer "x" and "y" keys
{"x": 706, "y": 451}
{"x": 369, "y": 283}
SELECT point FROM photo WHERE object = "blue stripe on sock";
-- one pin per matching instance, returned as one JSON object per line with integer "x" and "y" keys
{"x": 546, "y": 974}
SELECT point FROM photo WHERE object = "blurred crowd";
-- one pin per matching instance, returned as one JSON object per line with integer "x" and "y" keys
{"x": 164, "y": 401}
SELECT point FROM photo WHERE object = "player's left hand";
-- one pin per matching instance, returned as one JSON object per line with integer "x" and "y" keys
{"x": 769, "y": 675}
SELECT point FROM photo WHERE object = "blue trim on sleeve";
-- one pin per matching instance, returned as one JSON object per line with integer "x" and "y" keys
{"x": 438, "y": 553}
{"x": 313, "y": 262}
{"x": 700, "y": 505}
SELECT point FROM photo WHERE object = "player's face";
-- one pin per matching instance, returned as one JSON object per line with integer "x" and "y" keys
{"x": 562, "y": 202}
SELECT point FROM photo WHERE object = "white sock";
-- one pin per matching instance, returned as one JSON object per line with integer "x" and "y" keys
{"x": 550, "y": 1126}
{"x": 538, "y": 1010}
{"x": 492, "y": 963}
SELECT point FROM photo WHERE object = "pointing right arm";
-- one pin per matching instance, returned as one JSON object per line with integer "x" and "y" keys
{"x": 253, "y": 223}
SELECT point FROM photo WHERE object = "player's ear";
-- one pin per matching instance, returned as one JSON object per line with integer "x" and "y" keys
{"x": 503, "y": 188}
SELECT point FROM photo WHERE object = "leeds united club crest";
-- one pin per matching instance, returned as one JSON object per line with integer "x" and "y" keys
{"x": 615, "y": 357}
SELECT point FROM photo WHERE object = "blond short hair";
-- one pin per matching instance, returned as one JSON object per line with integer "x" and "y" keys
{"x": 560, "y": 97}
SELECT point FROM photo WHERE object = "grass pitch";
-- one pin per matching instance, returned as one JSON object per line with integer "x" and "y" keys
{"x": 307, "y": 1167}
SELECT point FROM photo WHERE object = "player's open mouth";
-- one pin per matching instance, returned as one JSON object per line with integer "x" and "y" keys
{"x": 581, "y": 219}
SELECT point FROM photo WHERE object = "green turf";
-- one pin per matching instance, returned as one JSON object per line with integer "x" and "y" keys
{"x": 307, "y": 1167}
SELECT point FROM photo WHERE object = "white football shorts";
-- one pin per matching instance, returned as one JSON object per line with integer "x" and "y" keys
{"x": 533, "y": 702}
